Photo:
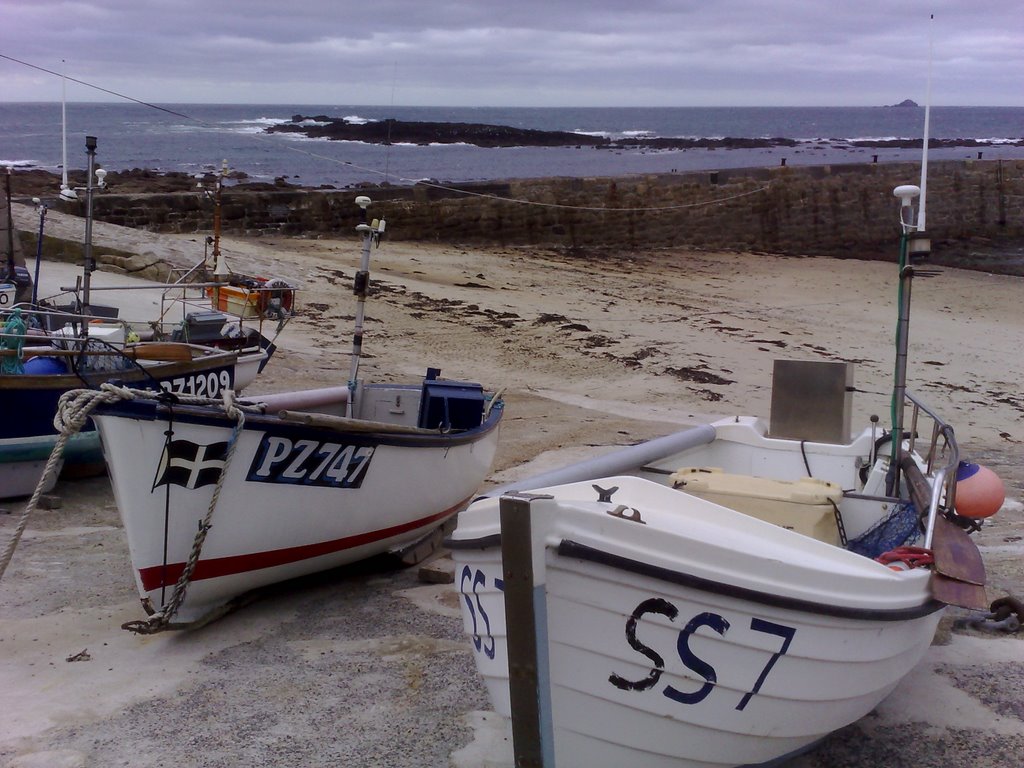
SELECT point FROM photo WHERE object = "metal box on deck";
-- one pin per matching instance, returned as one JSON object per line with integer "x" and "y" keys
{"x": 201, "y": 327}
{"x": 451, "y": 404}
{"x": 812, "y": 400}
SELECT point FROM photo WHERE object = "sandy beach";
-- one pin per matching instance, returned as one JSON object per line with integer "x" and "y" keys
{"x": 369, "y": 667}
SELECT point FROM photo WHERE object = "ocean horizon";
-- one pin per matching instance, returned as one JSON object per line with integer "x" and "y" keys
{"x": 194, "y": 138}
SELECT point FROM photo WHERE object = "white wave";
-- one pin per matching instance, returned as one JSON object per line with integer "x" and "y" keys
{"x": 249, "y": 126}
{"x": 287, "y": 136}
{"x": 879, "y": 138}
{"x": 358, "y": 120}
{"x": 264, "y": 121}
{"x": 19, "y": 163}
{"x": 632, "y": 134}
{"x": 415, "y": 144}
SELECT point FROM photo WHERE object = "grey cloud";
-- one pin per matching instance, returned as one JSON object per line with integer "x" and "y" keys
{"x": 572, "y": 52}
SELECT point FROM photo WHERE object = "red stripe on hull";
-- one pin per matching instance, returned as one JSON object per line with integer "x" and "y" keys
{"x": 158, "y": 576}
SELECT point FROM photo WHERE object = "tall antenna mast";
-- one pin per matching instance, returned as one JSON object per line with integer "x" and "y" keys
{"x": 66, "y": 192}
{"x": 915, "y": 247}
{"x": 927, "y": 121}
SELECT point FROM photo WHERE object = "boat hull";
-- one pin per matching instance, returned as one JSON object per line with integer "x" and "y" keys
{"x": 22, "y": 462}
{"x": 30, "y": 403}
{"x": 296, "y": 499}
{"x": 664, "y": 652}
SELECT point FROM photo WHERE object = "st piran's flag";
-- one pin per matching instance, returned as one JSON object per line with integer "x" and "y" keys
{"x": 190, "y": 465}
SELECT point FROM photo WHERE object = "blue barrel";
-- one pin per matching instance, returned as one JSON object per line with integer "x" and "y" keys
{"x": 45, "y": 366}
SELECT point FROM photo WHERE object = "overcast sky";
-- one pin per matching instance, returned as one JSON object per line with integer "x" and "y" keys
{"x": 517, "y": 52}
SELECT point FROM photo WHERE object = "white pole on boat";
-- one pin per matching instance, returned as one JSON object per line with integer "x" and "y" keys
{"x": 915, "y": 247}
{"x": 927, "y": 123}
{"x": 371, "y": 234}
{"x": 220, "y": 267}
{"x": 66, "y": 192}
{"x": 622, "y": 461}
{"x": 523, "y": 552}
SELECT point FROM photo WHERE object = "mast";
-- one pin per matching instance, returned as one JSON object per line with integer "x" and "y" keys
{"x": 41, "y": 208}
{"x": 90, "y": 187}
{"x": 220, "y": 267}
{"x": 66, "y": 192}
{"x": 10, "y": 228}
{"x": 915, "y": 247}
{"x": 927, "y": 120}
{"x": 371, "y": 234}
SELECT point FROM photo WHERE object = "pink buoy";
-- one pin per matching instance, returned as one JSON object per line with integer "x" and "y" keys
{"x": 979, "y": 491}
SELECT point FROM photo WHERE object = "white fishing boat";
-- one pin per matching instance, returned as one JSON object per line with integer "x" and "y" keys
{"x": 289, "y": 484}
{"x": 731, "y": 594}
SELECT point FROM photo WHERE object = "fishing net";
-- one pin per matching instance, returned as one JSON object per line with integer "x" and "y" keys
{"x": 896, "y": 529}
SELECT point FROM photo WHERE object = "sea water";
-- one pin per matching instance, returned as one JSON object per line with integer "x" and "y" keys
{"x": 194, "y": 138}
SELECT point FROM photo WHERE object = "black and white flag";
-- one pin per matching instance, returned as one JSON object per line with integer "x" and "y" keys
{"x": 190, "y": 465}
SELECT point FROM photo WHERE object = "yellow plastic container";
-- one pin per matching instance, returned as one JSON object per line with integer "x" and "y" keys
{"x": 237, "y": 301}
{"x": 804, "y": 506}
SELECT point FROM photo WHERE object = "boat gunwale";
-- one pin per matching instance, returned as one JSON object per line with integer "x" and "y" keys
{"x": 570, "y": 548}
{"x": 60, "y": 382}
{"x": 273, "y": 424}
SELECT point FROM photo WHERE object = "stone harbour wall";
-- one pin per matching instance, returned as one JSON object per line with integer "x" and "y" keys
{"x": 839, "y": 210}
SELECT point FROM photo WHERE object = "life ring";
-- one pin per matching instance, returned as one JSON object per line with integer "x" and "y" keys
{"x": 276, "y": 298}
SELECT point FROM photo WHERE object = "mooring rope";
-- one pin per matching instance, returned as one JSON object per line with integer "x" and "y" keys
{"x": 73, "y": 411}
{"x": 161, "y": 620}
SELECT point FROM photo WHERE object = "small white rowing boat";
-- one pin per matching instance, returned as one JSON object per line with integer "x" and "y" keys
{"x": 729, "y": 595}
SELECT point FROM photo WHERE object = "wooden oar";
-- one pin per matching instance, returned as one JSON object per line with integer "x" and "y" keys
{"x": 170, "y": 351}
{"x": 956, "y": 555}
{"x": 960, "y": 593}
{"x": 959, "y": 576}
{"x": 162, "y": 351}
{"x": 346, "y": 424}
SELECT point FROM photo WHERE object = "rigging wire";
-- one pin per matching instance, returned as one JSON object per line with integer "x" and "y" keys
{"x": 386, "y": 174}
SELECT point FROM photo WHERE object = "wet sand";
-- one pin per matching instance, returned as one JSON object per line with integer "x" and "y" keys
{"x": 368, "y": 665}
